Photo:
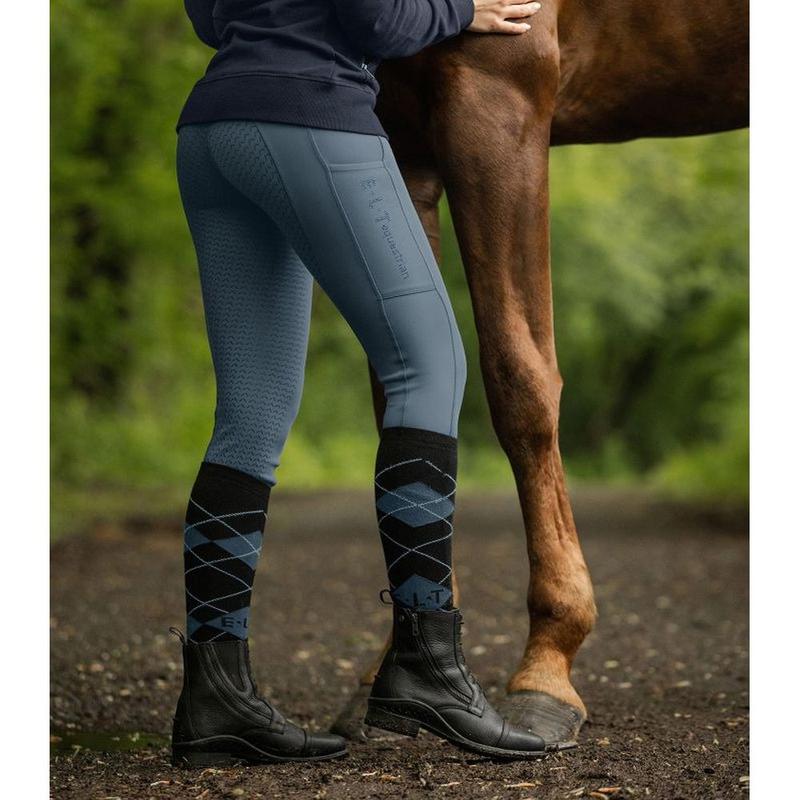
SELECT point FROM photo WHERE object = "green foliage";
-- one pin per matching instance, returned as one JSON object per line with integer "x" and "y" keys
{"x": 650, "y": 272}
{"x": 650, "y": 276}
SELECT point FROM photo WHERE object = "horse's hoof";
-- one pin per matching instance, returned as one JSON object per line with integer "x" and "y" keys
{"x": 350, "y": 722}
{"x": 554, "y": 720}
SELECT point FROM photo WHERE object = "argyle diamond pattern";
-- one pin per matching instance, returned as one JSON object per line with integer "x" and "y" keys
{"x": 220, "y": 551}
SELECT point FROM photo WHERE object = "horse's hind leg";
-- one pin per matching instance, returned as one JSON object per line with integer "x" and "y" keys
{"x": 493, "y": 147}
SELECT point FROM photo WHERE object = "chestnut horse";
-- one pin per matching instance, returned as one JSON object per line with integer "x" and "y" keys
{"x": 476, "y": 116}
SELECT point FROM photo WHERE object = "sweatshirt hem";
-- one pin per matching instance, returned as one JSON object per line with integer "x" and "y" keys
{"x": 267, "y": 97}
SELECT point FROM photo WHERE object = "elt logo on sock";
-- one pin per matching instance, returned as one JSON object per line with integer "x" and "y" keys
{"x": 235, "y": 623}
{"x": 418, "y": 592}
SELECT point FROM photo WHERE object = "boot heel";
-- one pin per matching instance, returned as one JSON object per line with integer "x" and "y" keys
{"x": 380, "y": 718}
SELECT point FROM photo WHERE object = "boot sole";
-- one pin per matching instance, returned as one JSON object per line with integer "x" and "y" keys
{"x": 406, "y": 717}
{"x": 229, "y": 751}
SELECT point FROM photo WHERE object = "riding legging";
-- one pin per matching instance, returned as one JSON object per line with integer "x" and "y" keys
{"x": 269, "y": 207}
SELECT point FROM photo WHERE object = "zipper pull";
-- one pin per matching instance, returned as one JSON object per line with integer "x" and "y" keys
{"x": 414, "y": 624}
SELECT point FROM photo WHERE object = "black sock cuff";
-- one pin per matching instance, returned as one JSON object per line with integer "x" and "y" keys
{"x": 229, "y": 487}
{"x": 417, "y": 437}
{"x": 401, "y": 450}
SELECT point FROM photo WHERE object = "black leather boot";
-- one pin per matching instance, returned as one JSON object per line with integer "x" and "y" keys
{"x": 221, "y": 720}
{"x": 424, "y": 682}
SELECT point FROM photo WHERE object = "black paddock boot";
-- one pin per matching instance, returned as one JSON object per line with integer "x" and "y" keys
{"x": 221, "y": 720}
{"x": 424, "y": 682}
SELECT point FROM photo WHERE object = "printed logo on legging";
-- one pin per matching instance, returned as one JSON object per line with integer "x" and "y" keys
{"x": 384, "y": 221}
{"x": 419, "y": 592}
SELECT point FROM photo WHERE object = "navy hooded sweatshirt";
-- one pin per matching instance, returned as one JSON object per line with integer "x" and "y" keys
{"x": 309, "y": 62}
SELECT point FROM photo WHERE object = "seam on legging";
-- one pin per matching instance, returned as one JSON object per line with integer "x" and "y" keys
{"x": 364, "y": 261}
{"x": 290, "y": 205}
{"x": 430, "y": 275}
{"x": 336, "y": 167}
{"x": 406, "y": 292}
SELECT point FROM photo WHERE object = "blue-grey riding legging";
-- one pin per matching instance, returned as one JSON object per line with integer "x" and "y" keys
{"x": 271, "y": 205}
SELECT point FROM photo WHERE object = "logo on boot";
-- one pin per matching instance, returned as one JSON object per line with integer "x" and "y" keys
{"x": 418, "y": 592}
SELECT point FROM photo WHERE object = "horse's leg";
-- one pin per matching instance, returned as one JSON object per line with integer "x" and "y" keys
{"x": 425, "y": 189}
{"x": 492, "y": 142}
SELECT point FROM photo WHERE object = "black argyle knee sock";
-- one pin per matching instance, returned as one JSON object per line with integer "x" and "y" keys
{"x": 222, "y": 542}
{"x": 415, "y": 485}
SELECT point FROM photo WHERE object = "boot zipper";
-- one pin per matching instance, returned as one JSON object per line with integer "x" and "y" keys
{"x": 230, "y": 695}
{"x": 449, "y": 686}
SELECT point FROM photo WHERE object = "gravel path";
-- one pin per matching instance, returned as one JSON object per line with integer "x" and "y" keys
{"x": 665, "y": 673}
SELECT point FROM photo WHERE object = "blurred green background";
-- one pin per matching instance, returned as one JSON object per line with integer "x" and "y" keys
{"x": 650, "y": 272}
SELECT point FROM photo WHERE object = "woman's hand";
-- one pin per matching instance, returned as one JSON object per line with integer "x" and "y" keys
{"x": 492, "y": 16}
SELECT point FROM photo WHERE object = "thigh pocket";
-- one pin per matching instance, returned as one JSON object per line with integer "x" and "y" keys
{"x": 380, "y": 227}
{"x": 368, "y": 197}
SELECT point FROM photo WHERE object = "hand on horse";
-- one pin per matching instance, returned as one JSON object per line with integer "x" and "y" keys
{"x": 493, "y": 16}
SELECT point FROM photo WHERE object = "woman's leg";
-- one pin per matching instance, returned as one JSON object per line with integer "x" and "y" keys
{"x": 257, "y": 298}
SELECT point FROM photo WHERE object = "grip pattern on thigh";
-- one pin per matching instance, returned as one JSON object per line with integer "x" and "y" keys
{"x": 257, "y": 298}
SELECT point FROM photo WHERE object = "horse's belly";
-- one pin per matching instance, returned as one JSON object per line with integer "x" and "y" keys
{"x": 660, "y": 114}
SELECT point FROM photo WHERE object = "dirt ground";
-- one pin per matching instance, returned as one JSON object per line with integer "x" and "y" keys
{"x": 664, "y": 674}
